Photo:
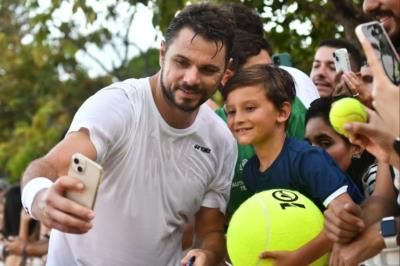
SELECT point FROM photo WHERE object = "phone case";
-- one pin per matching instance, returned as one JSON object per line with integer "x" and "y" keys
{"x": 341, "y": 59}
{"x": 282, "y": 59}
{"x": 90, "y": 173}
{"x": 385, "y": 51}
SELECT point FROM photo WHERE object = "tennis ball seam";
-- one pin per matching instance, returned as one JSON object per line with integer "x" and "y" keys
{"x": 257, "y": 227}
{"x": 268, "y": 224}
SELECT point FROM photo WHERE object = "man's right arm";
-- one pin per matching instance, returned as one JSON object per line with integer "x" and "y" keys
{"x": 49, "y": 204}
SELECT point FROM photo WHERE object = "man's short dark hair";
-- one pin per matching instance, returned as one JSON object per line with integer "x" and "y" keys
{"x": 246, "y": 45}
{"x": 246, "y": 18}
{"x": 207, "y": 20}
{"x": 354, "y": 52}
{"x": 249, "y": 34}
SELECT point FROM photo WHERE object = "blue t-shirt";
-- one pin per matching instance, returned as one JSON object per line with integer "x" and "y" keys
{"x": 304, "y": 168}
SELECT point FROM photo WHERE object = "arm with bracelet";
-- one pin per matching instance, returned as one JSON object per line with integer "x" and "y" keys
{"x": 45, "y": 183}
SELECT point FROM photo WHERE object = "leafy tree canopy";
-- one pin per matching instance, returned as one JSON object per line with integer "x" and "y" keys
{"x": 42, "y": 84}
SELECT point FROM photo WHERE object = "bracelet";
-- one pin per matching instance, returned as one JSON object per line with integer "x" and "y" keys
{"x": 31, "y": 189}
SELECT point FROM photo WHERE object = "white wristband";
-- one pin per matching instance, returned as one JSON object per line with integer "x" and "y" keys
{"x": 30, "y": 191}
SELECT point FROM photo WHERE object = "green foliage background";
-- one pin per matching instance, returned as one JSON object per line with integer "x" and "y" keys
{"x": 42, "y": 84}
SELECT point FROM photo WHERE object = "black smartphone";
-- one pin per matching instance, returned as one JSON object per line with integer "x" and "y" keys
{"x": 375, "y": 33}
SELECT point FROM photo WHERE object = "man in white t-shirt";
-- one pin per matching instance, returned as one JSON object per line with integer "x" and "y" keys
{"x": 167, "y": 158}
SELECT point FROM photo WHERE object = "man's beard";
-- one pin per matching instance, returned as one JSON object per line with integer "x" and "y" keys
{"x": 169, "y": 95}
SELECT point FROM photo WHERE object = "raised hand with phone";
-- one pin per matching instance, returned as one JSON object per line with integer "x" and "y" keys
{"x": 46, "y": 200}
{"x": 385, "y": 69}
{"x": 357, "y": 87}
{"x": 90, "y": 173}
{"x": 346, "y": 82}
{"x": 377, "y": 37}
{"x": 378, "y": 136}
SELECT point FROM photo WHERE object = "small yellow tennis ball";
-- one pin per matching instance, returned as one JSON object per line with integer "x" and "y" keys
{"x": 272, "y": 220}
{"x": 344, "y": 111}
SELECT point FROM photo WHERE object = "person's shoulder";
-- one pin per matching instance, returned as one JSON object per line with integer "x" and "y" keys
{"x": 306, "y": 90}
{"x": 128, "y": 86}
{"x": 301, "y": 149}
{"x": 298, "y": 146}
{"x": 221, "y": 113}
{"x": 126, "y": 91}
{"x": 217, "y": 126}
{"x": 293, "y": 71}
{"x": 212, "y": 117}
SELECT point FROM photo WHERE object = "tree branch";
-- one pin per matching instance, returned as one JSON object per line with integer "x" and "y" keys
{"x": 102, "y": 66}
{"x": 126, "y": 38}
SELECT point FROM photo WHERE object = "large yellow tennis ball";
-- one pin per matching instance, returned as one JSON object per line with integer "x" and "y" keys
{"x": 272, "y": 220}
{"x": 344, "y": 111}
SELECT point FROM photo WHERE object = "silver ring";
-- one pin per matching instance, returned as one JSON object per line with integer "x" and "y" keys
{"x": 356, "y": 94}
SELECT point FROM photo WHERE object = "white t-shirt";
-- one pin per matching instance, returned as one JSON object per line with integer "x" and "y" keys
{"x": 156, "y": 179}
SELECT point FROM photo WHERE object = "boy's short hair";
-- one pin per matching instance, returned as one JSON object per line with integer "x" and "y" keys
{"x": 278, "y": 84}
{"x": 207, "y": 20}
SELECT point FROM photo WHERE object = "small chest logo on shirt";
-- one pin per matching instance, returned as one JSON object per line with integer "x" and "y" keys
{"x": 202, "y": 149}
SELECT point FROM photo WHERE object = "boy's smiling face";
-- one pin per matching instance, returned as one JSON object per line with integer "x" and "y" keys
{"x": 252, "y": 117}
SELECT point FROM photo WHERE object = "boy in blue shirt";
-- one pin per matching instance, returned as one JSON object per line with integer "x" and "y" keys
{"x": 258, "y": 104}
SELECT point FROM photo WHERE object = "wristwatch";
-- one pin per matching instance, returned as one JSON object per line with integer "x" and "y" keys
{"x": 389, "y": 231}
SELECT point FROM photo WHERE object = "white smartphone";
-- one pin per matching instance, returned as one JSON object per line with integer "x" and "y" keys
{"x": 90, "y": 173}
{"x": 342, "y": 60}
{"x": 375, "y": 33}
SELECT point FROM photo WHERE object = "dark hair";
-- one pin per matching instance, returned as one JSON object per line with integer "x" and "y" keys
{"x": 210, "y": 21}
{"x": 278, "y": 84}
{"x": 249, "y": 34}
{"x": 12, "y": 211}
{"x": 354, "y": 52}
{"x": 320, "y": 108}
{"x": 246, "y": 18}
{"x": 245, "y": 45}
